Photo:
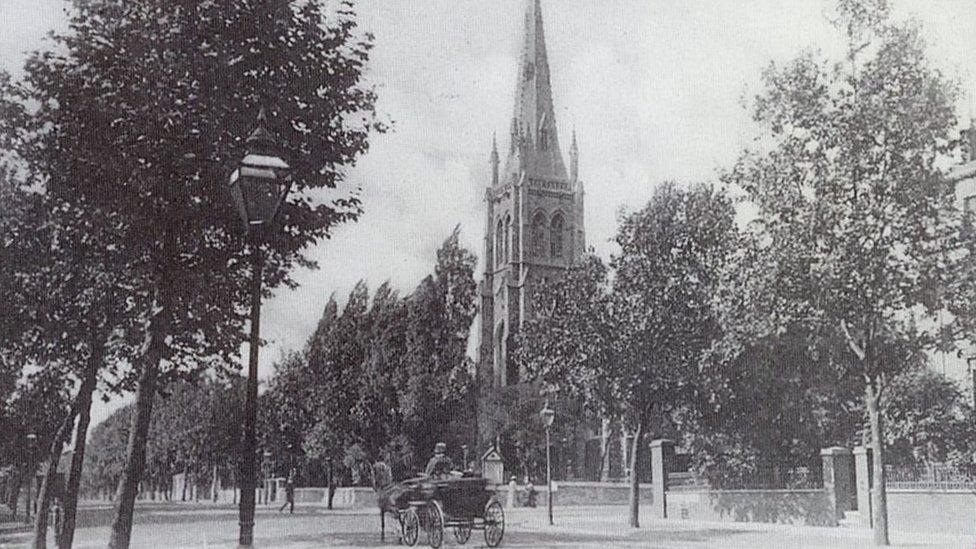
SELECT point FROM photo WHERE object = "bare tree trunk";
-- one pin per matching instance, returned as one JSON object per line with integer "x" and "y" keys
{"x": 135, "y": 462}
{"x": 67, "y": 533}
{"x": 606, "y": 435}
{"x": 186, "y": 481}
{"x": 15, "y": 493}
{"x": 879, "y": 496}
{"x": 331, "y": 481}
{"x": 47, "y": 485}
{"x": 635, "y": 474}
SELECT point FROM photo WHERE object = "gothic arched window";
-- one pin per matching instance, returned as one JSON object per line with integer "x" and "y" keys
{"x": 508, "y": 235}
{"x": 499, "y": 243}
{"x": 556, "y": 235}
{"x": 539, "y": 234}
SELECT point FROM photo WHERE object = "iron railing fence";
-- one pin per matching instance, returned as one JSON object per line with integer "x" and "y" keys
{"x": 937, "y": 476}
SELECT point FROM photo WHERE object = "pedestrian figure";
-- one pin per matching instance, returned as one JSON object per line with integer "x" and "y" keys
{"x": 56, "y": 512}
{"x": 512, "y": 490}
{"x": 531, "y": 496}
{"x": 289, "y": 493}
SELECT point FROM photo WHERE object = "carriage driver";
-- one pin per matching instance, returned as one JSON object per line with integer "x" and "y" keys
{"x": 440, "y": 464}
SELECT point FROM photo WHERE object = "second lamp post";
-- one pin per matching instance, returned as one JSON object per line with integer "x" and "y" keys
{"x": 548, "y": 415}
{"x": 258, "y": 186}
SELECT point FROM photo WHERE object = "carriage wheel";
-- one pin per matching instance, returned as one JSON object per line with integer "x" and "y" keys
{"x": 462, "y": 533}
{"x": 435, "y": 524}
{"x": 410, "y": 527}
{"x": 494, "y": 524}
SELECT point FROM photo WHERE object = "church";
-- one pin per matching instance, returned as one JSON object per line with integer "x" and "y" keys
{"x": 534, "y": 216}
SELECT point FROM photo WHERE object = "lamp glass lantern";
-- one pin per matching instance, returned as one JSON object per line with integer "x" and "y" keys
{"x": 548, "y": 415}
{"x": 262, "y": 181}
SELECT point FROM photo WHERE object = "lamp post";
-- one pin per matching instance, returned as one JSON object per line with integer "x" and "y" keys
{"x": 31, "y": 443}
{"x": 265, "y": 474}
{"x": 565, "y": 461}
{"x": 548, "y": 415}
{"x": 258, "y": 187}
{"x": 971, "y": 362}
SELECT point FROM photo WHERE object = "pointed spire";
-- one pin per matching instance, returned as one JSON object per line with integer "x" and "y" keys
{"x": 535, "y": 144}
{"x": 574, "y": 159}
{"x": 494, "y": 159}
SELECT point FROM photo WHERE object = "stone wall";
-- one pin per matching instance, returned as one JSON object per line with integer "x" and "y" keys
{"x": 345, "y": 498}
{"x": 568, "y": 493}
{"x": 801, "y": 507}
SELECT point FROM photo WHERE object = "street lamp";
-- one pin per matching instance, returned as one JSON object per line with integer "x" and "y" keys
{"x": 548, "y": 415}
{"x": 971, "y": 362}
{"x": 265, "y": 473}
{"x": 258, "y": 187}
{"x": 31, "y": 443}
{"x": 564, "y": 458}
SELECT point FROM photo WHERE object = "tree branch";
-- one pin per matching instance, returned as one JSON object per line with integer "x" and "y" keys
{"x": 857, "y": 349}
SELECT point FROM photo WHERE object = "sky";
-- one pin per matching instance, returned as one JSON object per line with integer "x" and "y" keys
{"x": 654, "y": 88}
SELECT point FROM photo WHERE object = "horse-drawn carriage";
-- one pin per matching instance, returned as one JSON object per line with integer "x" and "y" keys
{"x": 460, "y": 502}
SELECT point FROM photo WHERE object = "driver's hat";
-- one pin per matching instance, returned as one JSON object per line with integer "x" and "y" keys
{"x": 440, "y": 448}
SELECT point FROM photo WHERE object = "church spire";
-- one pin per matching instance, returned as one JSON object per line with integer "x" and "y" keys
{"x": 494, "y": 160}
{"x": 574, "y": 159}
{"x": 535, "y": 144}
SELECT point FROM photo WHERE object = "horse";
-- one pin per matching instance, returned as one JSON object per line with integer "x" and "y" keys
{"x": 388, "y": 496}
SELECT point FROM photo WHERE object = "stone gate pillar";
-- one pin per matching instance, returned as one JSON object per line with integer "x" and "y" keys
{"x": 864, "y": 475}
{"x": 837, "y": 479}
{"x": 661, "y": 453}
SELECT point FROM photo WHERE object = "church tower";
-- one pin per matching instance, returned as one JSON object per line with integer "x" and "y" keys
{"x": 534, "y": 210}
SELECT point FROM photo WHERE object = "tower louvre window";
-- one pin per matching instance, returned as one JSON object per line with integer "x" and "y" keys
{"x": 539, "y": 234}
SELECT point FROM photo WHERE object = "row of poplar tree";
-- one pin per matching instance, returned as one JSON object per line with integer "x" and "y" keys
{"x": 384, "y": 376}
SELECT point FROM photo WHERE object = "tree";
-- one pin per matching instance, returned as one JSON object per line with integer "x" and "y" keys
{"x": 671, "y": 255}
{"x": 568, "y": 345}
{"x": 64, "y": 299}
{"x": 641, "y": 345}
{"x": 856, "y": 236}
{"x": 382, "y": 379}
{"x": 435, "y": 376}
{"x": 141, "y": 110}
{"x": 769, "y": 411}
{"x": 195, "y": 430}
{"x": 927, "y": 420}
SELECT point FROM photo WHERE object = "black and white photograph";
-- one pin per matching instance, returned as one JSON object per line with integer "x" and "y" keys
{"x": 549, "y": 274}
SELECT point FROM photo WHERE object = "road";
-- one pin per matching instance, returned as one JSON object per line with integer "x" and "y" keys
{"x": 187, "y": 526}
